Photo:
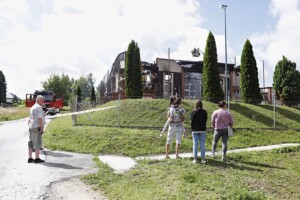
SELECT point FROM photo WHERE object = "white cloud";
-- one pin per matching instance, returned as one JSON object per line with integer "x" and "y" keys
{"x": 76, "y": 37}
{"x": 271, "y": 45}
{"x": 79, "y": 37}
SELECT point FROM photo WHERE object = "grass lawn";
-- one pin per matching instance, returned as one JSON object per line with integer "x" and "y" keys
{"x": 13, "y": 113}
{"x": 62, "y": 135}
{"x": 257, "y": 175}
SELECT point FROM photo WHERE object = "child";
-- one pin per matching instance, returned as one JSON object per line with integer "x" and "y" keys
{"x": 172, "y": 105}
{"x": 175, "y": 118}
{"x": 170, "y": 120}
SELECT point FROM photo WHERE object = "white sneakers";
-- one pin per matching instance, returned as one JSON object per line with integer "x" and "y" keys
{"x": 202, "y": 161}
{"x": 223, "y": 158}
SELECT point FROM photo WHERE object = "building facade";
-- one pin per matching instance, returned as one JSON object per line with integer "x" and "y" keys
{"x": 167, "y": 77}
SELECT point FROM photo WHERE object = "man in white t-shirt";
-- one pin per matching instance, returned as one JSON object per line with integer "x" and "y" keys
{"x": 36, "y": 129}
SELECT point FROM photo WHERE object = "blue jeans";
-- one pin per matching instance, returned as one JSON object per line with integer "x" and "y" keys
{"x": 199, "y": 135}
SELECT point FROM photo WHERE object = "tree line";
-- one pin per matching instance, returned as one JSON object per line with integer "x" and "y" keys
{"x": 286, "y": 79}
{"x": 62, "y": 84}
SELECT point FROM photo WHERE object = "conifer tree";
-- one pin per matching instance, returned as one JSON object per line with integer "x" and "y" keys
{"x": 250, "y": 91}
{"x": 212, "y": 90}
{"x": 93, "y": 96}
{"x": 2, "y": 88}
{"x": 133, "y": 82}
{"x": 78, "y": 92}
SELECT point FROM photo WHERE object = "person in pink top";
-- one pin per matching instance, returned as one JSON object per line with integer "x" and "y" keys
{"x": 220, "y": 120}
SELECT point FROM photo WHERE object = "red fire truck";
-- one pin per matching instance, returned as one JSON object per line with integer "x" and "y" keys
{"x": 52, "y": 103}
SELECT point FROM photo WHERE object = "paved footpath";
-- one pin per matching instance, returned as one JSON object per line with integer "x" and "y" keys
{"x": 20, "y": 180}
{"x": 121, "y": 163}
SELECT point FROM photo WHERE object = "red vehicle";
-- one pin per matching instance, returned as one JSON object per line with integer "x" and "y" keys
{"x": 52, "y": 103}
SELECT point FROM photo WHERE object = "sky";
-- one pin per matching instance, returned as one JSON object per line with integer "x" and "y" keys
{"x": 77, "y": 37}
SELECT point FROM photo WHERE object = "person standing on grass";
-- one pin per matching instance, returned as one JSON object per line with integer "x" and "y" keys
{"x": 36, "y": 129}
{"x": 169, "y": 119}
{"x": 198, "y": 127}
{"x": 220, "y": 120}
{"x": 176, "y": 115}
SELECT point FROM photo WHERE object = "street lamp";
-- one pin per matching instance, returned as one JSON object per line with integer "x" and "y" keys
{"x": 226, "y": 84}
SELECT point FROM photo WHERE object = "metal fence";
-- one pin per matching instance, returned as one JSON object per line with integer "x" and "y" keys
{"x": 152, "y": 114}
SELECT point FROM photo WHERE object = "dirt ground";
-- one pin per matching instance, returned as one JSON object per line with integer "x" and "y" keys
{"x": 73, "y": 189}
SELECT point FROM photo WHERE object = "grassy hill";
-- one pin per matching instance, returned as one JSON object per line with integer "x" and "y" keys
{"x": 152, "y": 113}
{"x": 87, "y": 138}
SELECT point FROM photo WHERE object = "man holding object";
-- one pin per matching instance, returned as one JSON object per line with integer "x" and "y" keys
{"x": 36, "y": 129}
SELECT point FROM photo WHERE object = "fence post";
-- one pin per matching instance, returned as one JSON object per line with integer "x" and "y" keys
{"x": 74, "y": 109}
{"x": 274, "y": 105}
{"x": 119, "y": 110}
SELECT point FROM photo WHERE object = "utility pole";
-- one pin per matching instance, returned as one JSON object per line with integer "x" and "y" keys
{"x": 263, "y": 74}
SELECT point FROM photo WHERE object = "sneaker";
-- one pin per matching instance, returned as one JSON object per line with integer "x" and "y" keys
{"x": 195, "y": 161}
{"x": 38, "y": 160}
{"x": 30, "y": 160}
{"x": 203, "y": 161}
{"x": 223, "y": 159}
{"x": 212, "y": 155}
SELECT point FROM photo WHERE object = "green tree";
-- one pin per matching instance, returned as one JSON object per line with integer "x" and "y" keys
{"x": 101, "y": 90}
{"x": 93, "y": 96}
{"x": 286, "y": 82}
{"x": 250, "y": 91}
{"x": 3, "y": 88}
{"x": 85, "y": 83}
{"x": 212, "y": 90}
{"x": 60, "y": 85}
{"x": 133, "y": 81}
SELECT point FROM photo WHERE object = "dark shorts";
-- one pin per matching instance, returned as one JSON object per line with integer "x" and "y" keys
{"x": 35, "y": 138}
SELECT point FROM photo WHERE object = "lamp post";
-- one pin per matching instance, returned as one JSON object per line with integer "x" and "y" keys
{"x": 226, "y": 84}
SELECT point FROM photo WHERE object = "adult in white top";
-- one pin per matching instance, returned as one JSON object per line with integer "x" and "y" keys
{"x": 36, "y": 129}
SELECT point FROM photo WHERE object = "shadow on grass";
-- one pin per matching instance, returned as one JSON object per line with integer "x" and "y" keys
{"x": 257, "y": 164}
{"x": 249, "y": 113}
{"x": 286, "y": 113}
{"x": 229, "y": 164}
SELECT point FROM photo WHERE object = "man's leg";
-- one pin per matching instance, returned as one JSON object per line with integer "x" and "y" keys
{"x": 30, "y": 160}
{"x": 37, "y": 143}
{"x": 37, "y": 153}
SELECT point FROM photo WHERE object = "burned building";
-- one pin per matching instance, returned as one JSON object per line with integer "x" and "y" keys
{"x": 166, "y": 77}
